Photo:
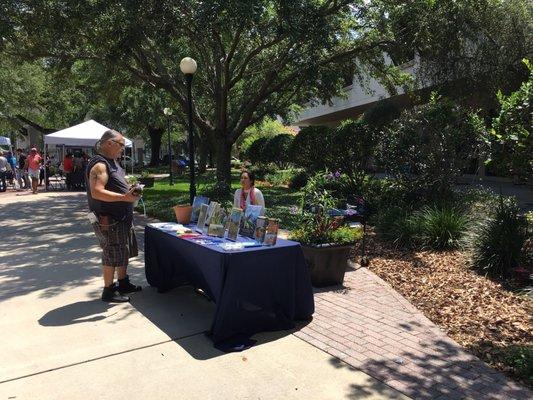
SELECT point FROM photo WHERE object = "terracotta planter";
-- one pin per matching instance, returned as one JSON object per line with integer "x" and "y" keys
{"x": 183, "y": 213}
{"x": 327, "y": 263}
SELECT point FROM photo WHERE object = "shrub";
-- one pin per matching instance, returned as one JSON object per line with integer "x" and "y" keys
{"x": 236, "y": 164}
{"x": 311, "y": 148}
{"x": 383, "y": 194}
{"x": 276, "y": 150}
{"x": 439, "y": 227}
{"x": 215, "y": 191}
{"x": 496, "y": 241}
{"x": 256, "y": 151}
{"x": 318, "y": 227}
{"x": 383, "y": 113}
{"x": 299, "y": 180}
{"x": 281, "y": 177}
{"x": 334, "y": 184}
{"x": 353, "y": 147}
{"x": 260, "y": 171}
{"x": 267, "y": 128}
{"x": 427, "y": 147}
{"x": 512, "y": 133}
{"x": 436, "y": 227}
{"x": 346, "y": 235}
{"x": 478, "y": 202}
{"x": 395, "y": 226}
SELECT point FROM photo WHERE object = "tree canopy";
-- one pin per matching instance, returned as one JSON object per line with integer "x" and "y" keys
{"x": 256, "y": 58}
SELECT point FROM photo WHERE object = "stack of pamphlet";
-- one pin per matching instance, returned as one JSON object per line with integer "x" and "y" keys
{"x": 197, "y": 202}
{"x": 248, "y": 223}
{"x": 234, "y": 223}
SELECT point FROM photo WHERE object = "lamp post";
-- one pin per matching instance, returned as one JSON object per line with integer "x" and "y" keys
{"x": 188, "y": 67}
{"x": 168, "y": 112}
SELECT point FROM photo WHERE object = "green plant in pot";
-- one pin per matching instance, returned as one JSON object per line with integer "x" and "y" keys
{"x": 146, "y": 179}
{"x": 326, "y": 243}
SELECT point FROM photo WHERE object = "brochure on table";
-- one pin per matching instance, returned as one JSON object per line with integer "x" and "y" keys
{"x": 197, "y": 202}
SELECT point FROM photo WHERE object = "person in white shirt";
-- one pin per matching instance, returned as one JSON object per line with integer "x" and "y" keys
{"x": 4, "y": 167}
{"x": 248, "y": 193}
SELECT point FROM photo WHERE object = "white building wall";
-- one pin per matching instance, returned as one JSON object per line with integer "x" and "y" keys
{"x": 356, "y": 96}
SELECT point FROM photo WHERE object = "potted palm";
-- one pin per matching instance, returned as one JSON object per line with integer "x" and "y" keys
{"x": 326, "y": 242}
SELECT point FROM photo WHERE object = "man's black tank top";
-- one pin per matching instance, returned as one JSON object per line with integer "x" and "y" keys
{"x": 119, "y": 210}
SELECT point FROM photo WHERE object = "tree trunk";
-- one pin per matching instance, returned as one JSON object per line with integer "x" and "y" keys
{"x": 203, "y": 150}
{"x": 223, "y": 158}
{"x": 156, "y": 135}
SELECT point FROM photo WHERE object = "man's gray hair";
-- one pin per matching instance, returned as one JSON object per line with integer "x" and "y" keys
{"x": 109, "y": 134}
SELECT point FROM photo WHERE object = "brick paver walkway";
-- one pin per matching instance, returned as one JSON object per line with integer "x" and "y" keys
{"x": 371, "y": 327}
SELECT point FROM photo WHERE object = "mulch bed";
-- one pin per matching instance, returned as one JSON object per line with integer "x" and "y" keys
{"x": 482, "y": 315}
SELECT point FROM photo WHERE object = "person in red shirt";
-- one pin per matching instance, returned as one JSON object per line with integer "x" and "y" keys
{"x": 33, "y": 166}
{"x": 68, "y": 167}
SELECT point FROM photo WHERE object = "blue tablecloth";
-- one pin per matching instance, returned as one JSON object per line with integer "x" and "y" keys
{"x": 255, "y": 289}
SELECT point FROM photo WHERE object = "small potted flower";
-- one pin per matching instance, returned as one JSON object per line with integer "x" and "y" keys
{"x": 326, "y": 242}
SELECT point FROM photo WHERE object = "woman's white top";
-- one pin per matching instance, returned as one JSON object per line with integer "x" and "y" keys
{"x": 259, "y": 199}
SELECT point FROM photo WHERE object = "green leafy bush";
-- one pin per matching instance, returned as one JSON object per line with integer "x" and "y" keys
{"x": 260, "y": 171}
{"x": 316, "y": 225}
{"x": 520, "y": 358}
{"x": 512, "y": 133}
{"x": 256, "y": 151}
{"x": 276, "y": 150}
{"x": 426, "y": 149}
{"x": 439, "y": 227}
{"x": 496, "y": 241}
{"x": 384, "y": 194}
{"x": 215, "y": 191}
{"x": 299, "y": 180}
{"x": 334, "y": 184}
{"x": 353, "y": 148}
{"x": 346, "y": 235}
{"x": 383, "y": 113}
{"x": 395, "y": 226}
{"x": 311, "y": 148}
{"x": 281, "y": 177}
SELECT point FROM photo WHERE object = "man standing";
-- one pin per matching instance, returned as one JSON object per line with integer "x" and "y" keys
{"x": 33, "y": 166}
{"x": 111, "y": 200}
{"x": 4, "y": 165}
{"x": 22, "y": 177}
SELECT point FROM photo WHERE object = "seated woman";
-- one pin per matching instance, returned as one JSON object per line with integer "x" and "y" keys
{"x": 248, "y": 193}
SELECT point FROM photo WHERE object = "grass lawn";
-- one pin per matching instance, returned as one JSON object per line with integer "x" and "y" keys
{"x": 160, "y": 199}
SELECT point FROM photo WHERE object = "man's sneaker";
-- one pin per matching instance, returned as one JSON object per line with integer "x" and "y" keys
{"x": 111, "y": 294}
{"x": 124, "y": 286}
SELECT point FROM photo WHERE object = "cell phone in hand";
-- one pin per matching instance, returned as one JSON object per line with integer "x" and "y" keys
{"x": 137, "y": 189}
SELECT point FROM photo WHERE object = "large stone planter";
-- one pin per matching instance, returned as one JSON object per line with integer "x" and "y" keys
{"x": 327, "y": 263}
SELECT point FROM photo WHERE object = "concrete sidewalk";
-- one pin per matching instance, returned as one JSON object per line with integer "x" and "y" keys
{"x": 59, "y": 341}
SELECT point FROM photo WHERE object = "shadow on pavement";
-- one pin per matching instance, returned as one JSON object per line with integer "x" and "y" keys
{"x": 445, "y": 370}
{"x": 76, "y": 313}
{"x": 47, "y": 246}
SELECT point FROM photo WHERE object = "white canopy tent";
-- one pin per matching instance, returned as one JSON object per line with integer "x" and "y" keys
{"x": 85, "y": 134}
{"x": 5, "y": 141}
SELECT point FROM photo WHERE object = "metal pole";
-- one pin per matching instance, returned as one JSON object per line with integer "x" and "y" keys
{"x": 169, "y": 153}
{"x": 192, "y": 185}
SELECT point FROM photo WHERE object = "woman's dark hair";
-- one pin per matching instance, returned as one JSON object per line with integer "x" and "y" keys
{"x": 250, "y": 175}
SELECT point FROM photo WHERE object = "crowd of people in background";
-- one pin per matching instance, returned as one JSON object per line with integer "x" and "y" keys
{"x": 28, "y": 170}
